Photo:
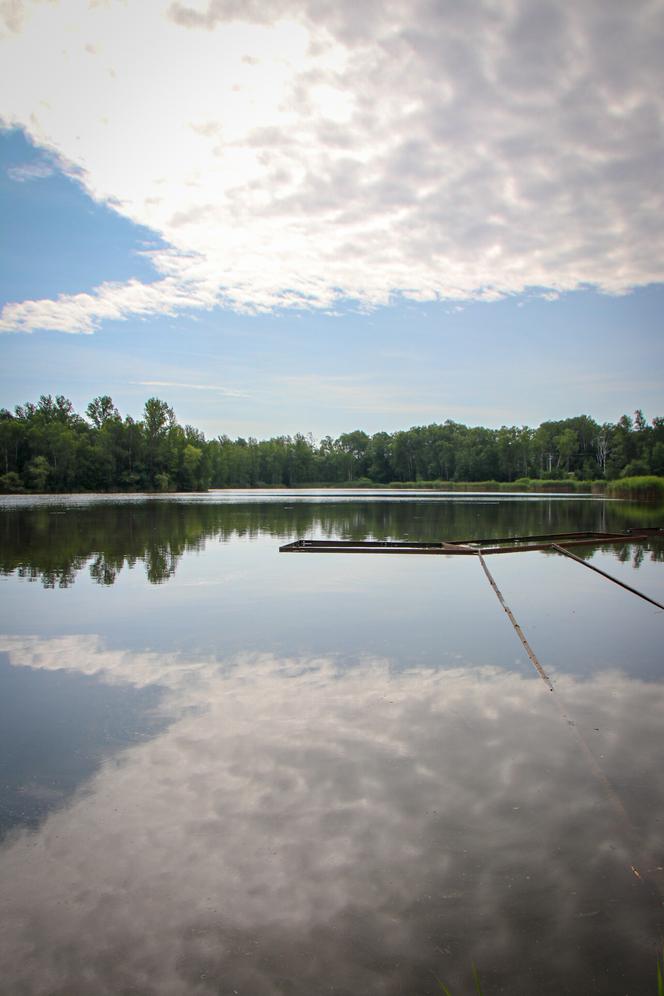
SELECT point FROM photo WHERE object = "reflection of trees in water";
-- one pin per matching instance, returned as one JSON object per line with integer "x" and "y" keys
{"x": 51, "y": 577}
{"x": 53, "y": 544}
{"x": 626, "y": 553}
{"x": 102, "y": 571}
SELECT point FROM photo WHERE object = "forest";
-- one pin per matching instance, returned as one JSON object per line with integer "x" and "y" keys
{"x": 48, "y": 447}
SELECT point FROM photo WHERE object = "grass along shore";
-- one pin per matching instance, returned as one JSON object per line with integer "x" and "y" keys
{"x": 648, "y": 488}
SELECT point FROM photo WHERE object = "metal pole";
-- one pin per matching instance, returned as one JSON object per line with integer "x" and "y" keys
{"x": 604, "y": 574}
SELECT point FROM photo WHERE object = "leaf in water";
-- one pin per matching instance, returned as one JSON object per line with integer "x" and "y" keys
{"x": 476, "y": 979}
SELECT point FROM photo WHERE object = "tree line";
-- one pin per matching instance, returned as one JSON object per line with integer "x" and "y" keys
{"x": 48, "y": 447}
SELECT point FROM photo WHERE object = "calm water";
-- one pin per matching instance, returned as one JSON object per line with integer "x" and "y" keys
{"x": 225, "y": 770}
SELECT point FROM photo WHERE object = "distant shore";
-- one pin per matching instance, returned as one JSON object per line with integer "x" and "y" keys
{"x": 646, "y": 488}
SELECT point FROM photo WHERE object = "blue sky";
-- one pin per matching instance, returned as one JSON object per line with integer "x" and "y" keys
{"x": 344, "y": 227}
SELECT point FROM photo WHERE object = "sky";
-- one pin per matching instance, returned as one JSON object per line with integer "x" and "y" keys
{"x": 321, "y": 215}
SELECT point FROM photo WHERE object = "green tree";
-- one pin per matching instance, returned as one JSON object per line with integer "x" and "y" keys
{"x": 192, "y": 458}
{"x": 101, "y": 410}
{"x": 379, "y": 458}
{"x": 354, "y": 445}
{"x": 38, "y": 471}
{"x": 403, "y": 456}
{"x": 158, "y": 417}
{"x": 657, "y": 459}
{"x": 12, "y": 433}
{"x": 507, "y": 442}
{"x": 567, "y": 444}
{"x": 544, "y": 443}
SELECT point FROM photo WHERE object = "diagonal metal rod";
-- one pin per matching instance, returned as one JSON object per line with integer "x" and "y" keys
{"x": 519, "y": 632}
{"x": 648, "y": 876}
{"x": 604, "y": 574}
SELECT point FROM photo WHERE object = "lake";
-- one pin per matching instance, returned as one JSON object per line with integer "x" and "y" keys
{"x": 229, "y": 770}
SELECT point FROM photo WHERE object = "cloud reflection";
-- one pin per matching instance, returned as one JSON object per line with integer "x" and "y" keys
{"x": 313, "y": 825}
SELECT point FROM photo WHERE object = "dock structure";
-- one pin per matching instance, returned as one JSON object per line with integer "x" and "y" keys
{"x": 644, "y": 867}
{"x": 555, "y": 542}
{"x": 494, "y": 544}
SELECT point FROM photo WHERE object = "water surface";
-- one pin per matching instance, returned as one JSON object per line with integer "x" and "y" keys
{"x": 226, "y": 769}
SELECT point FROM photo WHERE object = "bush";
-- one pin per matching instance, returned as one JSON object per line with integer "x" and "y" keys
{"x": 11, "y": 484}
{"x": 635, "y": 468}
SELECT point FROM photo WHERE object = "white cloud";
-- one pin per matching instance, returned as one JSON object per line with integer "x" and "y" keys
{"x": 217, "y": 388}
{"x": 111, "y": 301}
{"x": 29, "y": 171}
{"x": 298, "y": 152}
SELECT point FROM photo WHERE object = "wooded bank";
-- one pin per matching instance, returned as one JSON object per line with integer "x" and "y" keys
{"x": 47, "y": 447}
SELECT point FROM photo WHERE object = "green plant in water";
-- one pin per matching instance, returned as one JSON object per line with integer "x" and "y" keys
{"x": 478, "y": 985}
{"x": 476, "y": 980}
{"x": 660, "y": 975}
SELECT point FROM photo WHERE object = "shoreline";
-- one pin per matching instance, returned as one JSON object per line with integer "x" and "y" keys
{"x": 650, "y": 488}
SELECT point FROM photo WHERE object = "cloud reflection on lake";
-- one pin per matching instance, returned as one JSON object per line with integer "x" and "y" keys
{"x": 315, "y": 824}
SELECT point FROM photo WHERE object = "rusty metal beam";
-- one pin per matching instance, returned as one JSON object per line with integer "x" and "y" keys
{"x": 550, "y": 545}
{"x": 508, "y": 544}
{"x": 348, "y": 546}
{"x": 519, "y": 632}
{"x": 604, "y": 574}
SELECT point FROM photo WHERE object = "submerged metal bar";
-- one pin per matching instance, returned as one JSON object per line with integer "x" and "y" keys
{"x": 375, "y": 546}
{"x": 646, "y": 877}
{"x": 591, "y": 540}
{"x": 604, "y": 574}
{"x": 589, "y": 535}
{"x": 519, "y": 632}
{"x": 577, "y": 534}
{"x": 515, "y": 544}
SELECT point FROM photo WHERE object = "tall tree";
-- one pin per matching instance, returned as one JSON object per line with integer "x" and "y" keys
{"x": 158, "y": 417}
{"x": 101, "y": 410}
